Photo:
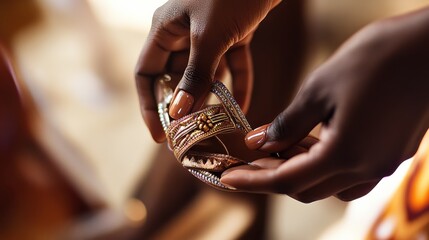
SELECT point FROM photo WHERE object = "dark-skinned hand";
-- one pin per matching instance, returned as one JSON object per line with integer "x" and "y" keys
{"x": 197, "y": 42}
{"x": 372, "y": 99}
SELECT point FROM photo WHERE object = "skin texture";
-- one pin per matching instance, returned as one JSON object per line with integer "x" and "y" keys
{"x": 372, "y": 98}
{"x": 197, "y": 42}
{"x": 163, "y": 202}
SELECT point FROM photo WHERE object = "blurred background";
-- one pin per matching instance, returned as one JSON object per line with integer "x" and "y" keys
{"x": 85, "y": 167}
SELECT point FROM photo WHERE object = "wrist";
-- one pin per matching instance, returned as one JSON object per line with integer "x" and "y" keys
{"x": 402, "y": 41}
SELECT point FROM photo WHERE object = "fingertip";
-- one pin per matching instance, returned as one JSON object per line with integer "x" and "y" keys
{"x": 238, "y": 177}
{"x": 249, "y": 177}
{"x": 229, "y": 178}
{"x": 158, "y": 137}
{"x": 256, "y": 138}
{"x": 154, "y": 126}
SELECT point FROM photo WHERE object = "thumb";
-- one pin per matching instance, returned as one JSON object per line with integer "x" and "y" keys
{"x": 290, "y": 126}
{"x": 198, "y": 76}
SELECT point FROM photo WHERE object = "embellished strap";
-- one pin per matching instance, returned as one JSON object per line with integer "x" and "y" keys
{"x": 185, "y": 133}
{"x": 196, "y": 127}
{"x": 223, "y": 118}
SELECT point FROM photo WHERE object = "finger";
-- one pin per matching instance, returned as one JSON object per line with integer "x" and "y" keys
{"x": 292, "y": 151}
{"x": 298, "y": 173}
{"x": 308, "y": 141}
{"x": 327, "y": 188}
{"x": 221, "y": 70}
{"x": 357, "y": 191}
{"x": 250, "y": 180}
{"x": 267, "y": 163}
{"x": 205, "y": 54}
{"x": 256, "y": 138}
{"x": 240, "y": 65}
{"x": 177, "y": 62}
{"x": 148, "y": 109}
{"x": 301, "y": 147}
{"x": 164, "y": 37}
{"x": 151, "y": 63}
{"x": 294, "y": 123}
{"x": 161, "y": 42}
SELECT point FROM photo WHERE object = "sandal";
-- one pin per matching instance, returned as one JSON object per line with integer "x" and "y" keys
{"x": 196, "y": 139}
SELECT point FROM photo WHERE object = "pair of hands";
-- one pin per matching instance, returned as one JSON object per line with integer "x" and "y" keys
{"x": 371, "y": 96}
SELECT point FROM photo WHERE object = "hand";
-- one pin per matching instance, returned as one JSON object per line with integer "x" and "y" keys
{"x": 372, "y": 98}
{"x": 197, "y": 41}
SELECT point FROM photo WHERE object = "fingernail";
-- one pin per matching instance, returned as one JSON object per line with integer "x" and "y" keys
{"x": 256, "y": 138}
{"x": 181, "y": 104}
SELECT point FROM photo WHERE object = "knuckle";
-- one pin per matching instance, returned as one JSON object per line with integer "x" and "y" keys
{"x": 345, "y": 197}
{"x": 197, "y": 35}
{"x": 278, "y": 129}
{"x": 389, "y": 170}
{"x": 305, "y": 198}
{"x": 166, "y": 15}
{"x": 159, "y": 11}
{"x": 195, "y": 80}
{"x": 370, "y": 171}
{"x": 411, "y": 150}
{"x": 409, "y": 154}
{"x": 138, "y": 75}
{"x": 378, "y": 172}
{"x": 158, "y": 15}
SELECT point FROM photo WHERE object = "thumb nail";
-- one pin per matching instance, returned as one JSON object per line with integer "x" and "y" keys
{"x": 181, "y": 105}
{"x": 256, "y": 138}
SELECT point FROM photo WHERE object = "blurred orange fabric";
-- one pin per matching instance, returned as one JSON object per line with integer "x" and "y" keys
{"x": 406, "y": 216}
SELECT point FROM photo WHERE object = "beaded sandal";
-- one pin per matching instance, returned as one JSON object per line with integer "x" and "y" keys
{"x": 192, "y": 138}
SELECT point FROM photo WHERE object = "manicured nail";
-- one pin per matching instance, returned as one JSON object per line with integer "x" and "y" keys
{"x": 256, "y": 138}
{"x": 181, "y": 105}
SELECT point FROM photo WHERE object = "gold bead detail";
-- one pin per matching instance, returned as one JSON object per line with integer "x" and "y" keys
{"x": 204, "y": 123}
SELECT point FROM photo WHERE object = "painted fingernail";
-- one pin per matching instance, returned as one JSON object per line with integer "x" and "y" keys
{"x": 181, "y": 105}
{"x": 256, "y": 138}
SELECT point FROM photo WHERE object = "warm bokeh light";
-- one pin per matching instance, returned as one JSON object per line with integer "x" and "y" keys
{"x": 89, "y": 169}
{"x": 135, "y": 210}
{"x": 135, "y": 14}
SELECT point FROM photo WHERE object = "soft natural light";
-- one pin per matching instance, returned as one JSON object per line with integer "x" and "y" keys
{"x": 135, "y": 14}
